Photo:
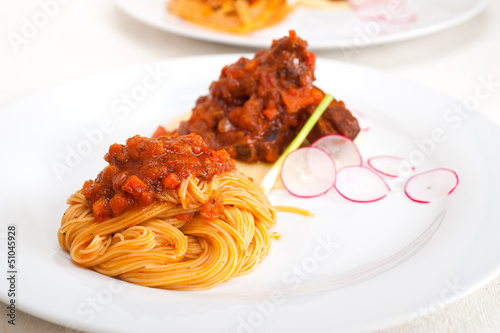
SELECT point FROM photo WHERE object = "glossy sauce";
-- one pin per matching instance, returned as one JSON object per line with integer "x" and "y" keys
{"x": 259, "y": 105}
{"x": 144, "y": 167}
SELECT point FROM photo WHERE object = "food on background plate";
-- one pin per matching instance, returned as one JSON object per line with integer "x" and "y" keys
{"x": 168, "y": 213}
{"x": 245, "y": 16}
{"x": 258, "y": 105}
{"x": 325, "y": 3}
{"x": 238, "y": 16}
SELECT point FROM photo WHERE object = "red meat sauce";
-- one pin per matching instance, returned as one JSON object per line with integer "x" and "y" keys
{"x": 144, "y": 167}
{"x": 258, "y": 106}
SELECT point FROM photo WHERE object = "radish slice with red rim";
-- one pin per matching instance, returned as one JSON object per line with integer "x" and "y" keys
{"x": 376, "y": 10}
{"x": 363, "y": 3}
{"x": 431, "y": 185}
{"x": 391, "y": 166}
{"x": 342, "y": 150}
{"x": 308, "y": 172}
{"x": 406, "y": 16}
{"x": 360, "y": 184}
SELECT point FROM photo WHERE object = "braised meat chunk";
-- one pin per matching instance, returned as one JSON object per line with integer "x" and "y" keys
{"x": 258, "y": 105}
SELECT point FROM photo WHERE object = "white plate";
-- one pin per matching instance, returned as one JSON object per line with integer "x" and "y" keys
{"x": 324, "y": 28}
{"x": 386, "y": 263}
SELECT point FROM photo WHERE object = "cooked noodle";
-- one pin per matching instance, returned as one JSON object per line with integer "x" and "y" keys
{"x": 239, "y": 16}
{"x": 156, "y": 246}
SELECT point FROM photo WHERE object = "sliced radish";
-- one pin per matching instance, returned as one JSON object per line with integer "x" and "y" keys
{"x": 360, "y": 184}
{"x": 391, "y": 166}
{"x": 378, "y": 10}
{"x": 431, "y": 185}
{"x": 379, "y": 15}
{"x": 364, "y": 3}
{"x": 341, "y": 149}
{"x": 308, "y": 172}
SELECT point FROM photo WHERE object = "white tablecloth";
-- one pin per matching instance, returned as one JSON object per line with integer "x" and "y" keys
{"x": 87, "y": 37}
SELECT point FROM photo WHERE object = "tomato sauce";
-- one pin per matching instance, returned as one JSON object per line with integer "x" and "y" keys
{"x": 144, "y": 167}
{"x": 258, "y": 106}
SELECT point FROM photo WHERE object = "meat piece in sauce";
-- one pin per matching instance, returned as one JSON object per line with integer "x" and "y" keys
{"x": 258, "y": 106}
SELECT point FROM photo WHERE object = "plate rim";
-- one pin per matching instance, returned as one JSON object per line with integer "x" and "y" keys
{"x": 54, "y": 319}
{"x": 206, "y": 34}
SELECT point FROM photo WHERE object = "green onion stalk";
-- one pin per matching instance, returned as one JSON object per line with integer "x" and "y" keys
{"x": 269, "y": 179}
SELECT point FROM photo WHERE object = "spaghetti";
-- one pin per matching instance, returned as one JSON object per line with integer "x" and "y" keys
{"x": 238, "y": 16}
{"x": 322, "y": 4}
{"x": 211, "y": 226}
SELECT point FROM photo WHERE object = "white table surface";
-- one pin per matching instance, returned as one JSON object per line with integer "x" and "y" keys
{"x": 88, "y": 37}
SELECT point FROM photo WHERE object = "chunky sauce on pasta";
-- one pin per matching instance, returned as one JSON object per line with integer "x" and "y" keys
{"x": 258, "y": 106}
{"x": 143, "y": 167}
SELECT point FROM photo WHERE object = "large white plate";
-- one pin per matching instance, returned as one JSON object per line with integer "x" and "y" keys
{"x": 322, "y": 28}
{"x": 383, "y": 263}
